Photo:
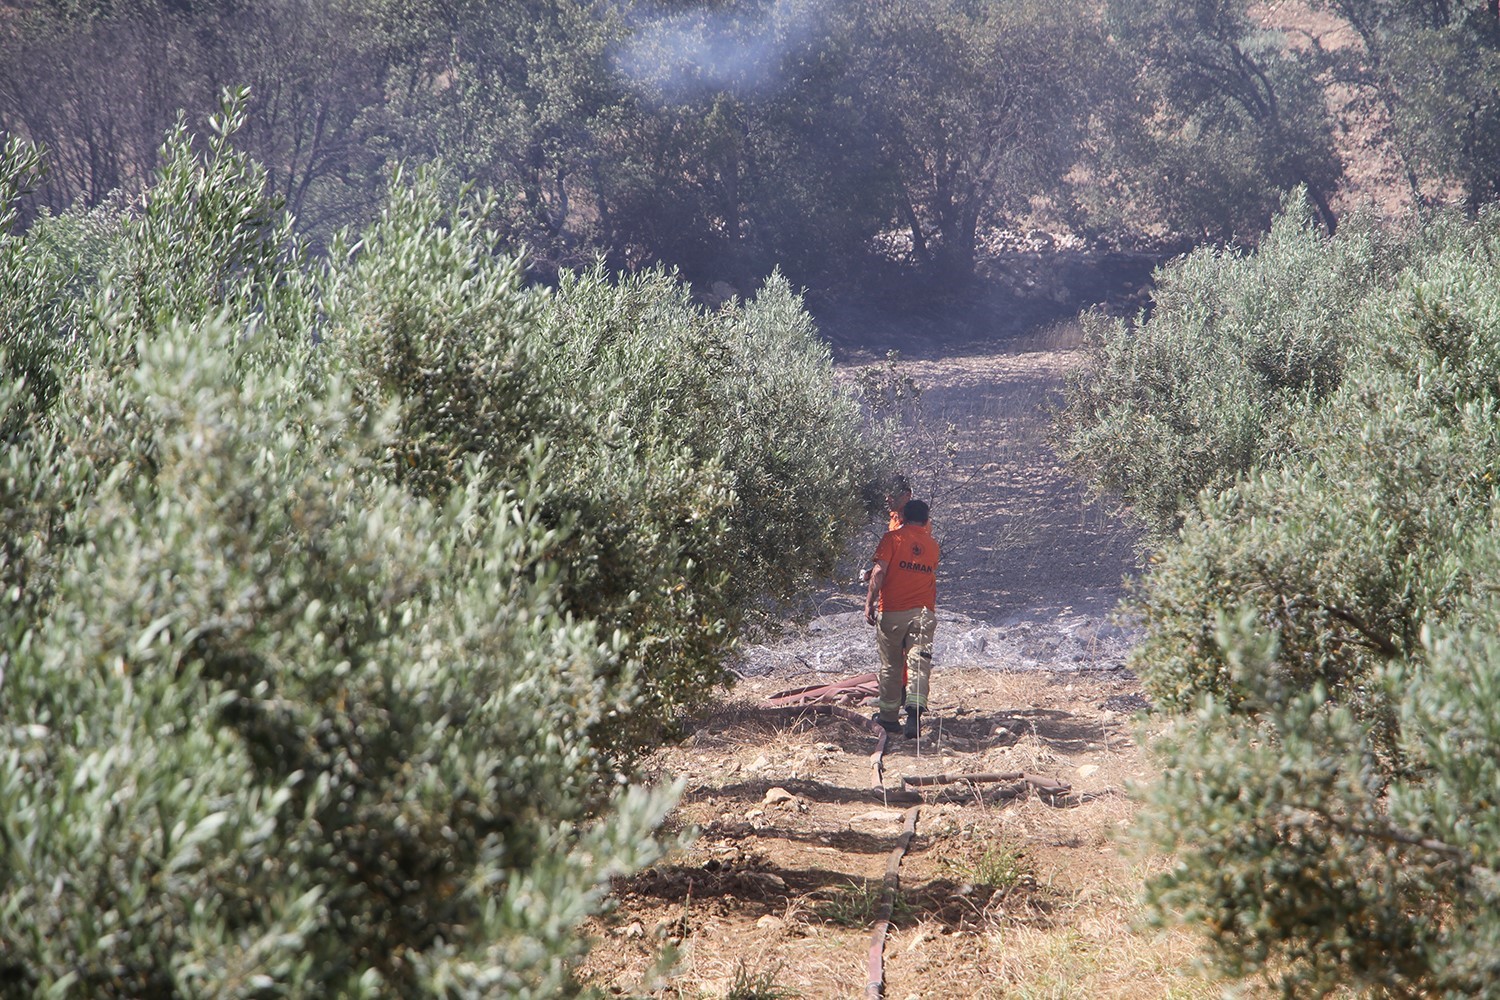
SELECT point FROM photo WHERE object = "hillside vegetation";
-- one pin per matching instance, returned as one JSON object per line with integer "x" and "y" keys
{"x": 843, "y": 144}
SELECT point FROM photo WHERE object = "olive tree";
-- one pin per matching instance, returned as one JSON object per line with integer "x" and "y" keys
{"x": 270, "y": 721}
{"x": 1426, "y": 73}
{"x": 1320, "y": 621}
{"x": 1218, "y": 119}
{"x": 1236, "y": 345}
{"x": 978, "y": 109}
{"x": 335, "y": 607}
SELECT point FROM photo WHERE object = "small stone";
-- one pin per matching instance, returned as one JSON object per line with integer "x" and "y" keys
{"x": 878, "y": 816}
{"x": 1088, "y": 770}
{"x": 760, "y": 763}
{"x": 778, "y": 795}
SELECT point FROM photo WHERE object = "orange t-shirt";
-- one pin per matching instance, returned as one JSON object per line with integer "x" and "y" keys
{"x": 911, "y": 555}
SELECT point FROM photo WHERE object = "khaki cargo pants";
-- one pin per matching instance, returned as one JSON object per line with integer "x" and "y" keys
{"x": 904, "y": 639}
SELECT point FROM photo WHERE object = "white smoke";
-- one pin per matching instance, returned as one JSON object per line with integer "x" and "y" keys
{"x": 675, "y": 56}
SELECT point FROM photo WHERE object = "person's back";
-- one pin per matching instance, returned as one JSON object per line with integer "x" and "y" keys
{"x": 902, "y": 603}
{"x": 911, "y": 555}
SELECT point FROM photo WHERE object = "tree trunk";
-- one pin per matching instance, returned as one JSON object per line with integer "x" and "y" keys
{"x": 909, "y": 216}
{"x": 1326, "y": 214}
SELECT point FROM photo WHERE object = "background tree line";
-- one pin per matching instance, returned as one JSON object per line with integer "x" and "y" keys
{"x": 729, "y": 137}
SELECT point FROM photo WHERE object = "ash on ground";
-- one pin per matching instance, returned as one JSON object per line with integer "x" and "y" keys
{"x": 842, "y": 644}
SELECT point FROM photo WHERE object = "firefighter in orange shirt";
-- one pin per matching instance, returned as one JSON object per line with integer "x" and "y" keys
{"x": 902, "y": 605}
{"x": 896, "y": 501}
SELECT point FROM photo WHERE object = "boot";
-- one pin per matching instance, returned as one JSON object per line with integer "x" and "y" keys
{"x": 913, "y": 722}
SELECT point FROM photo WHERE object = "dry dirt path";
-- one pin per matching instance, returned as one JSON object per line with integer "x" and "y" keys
{"x": 1004, "y": 892}
{"x": 1032, "y": 570}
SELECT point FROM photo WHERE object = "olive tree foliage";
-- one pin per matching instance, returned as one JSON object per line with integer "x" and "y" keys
{"x": 1347, "y": 553}
{"x": 1315, "y": 430}
{"x": 30, "y": 284}
{"x": 1219, "y": 120}
{"x": 1322, "y": 622}
{"x": 306, "y": 690}
{"x": 789, "y": 445}
{"x": 703, "y": 466}
{"x": 283, "y": 727}
{"x": 1205, "y": 387}
{"x": 322, "y": 75}
{"x": 1427, "y": 72}
{"x": 1304, "y": 861}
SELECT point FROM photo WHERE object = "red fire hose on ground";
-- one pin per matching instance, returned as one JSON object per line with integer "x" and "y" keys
{"x": 834, "y": 699}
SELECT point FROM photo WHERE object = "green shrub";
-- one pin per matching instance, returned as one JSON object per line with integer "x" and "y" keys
{"x": 1363, "y": 534}
{"x": 30, "y": 287}
{"x": 1303, "y": 862}
{"x": 209, "y": 241}
{"x": 336, "y": 595}
{"x": 745, "y": 394}
{"x": 703, "y": 467}
{"x": 1324, "y": 620}
{"x": 1235, "y": 348}
{"x": 283, "y": 726}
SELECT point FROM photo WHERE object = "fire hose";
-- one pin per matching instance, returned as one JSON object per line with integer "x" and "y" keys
{"x": 832, "y": 699}
{"x": 875, "y": 987}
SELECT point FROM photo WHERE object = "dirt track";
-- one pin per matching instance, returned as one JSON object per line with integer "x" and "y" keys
{"x": 1004, "y": 890}
{"x": 1032, "y": 571}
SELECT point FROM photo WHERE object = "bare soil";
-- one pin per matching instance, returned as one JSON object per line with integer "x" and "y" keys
{"x": 1004, "y": 890}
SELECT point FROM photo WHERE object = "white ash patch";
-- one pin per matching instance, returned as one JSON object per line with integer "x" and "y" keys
{"x": 844, "y": 644}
